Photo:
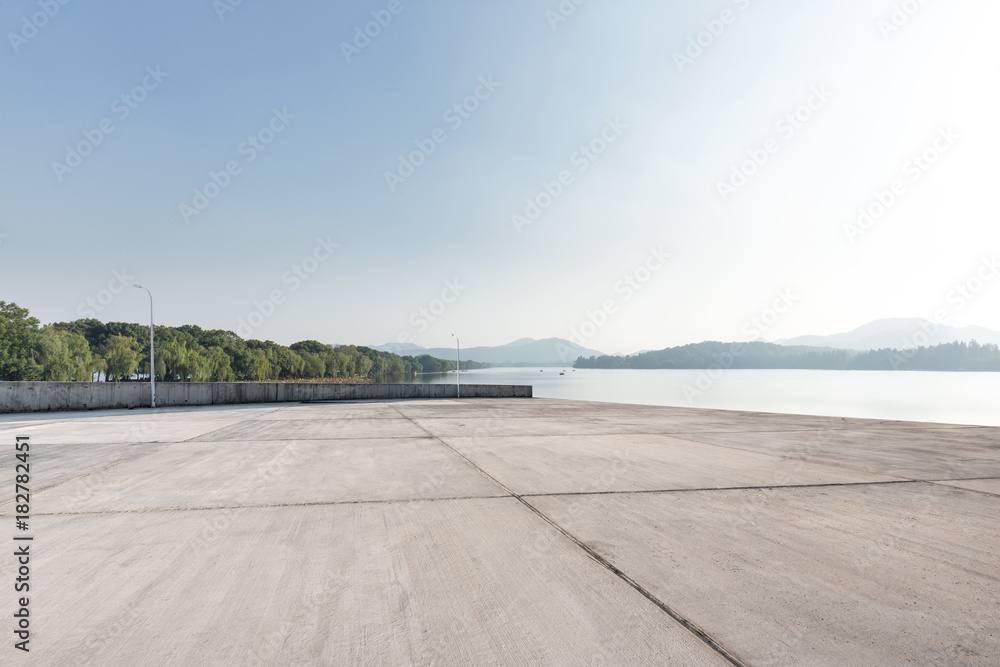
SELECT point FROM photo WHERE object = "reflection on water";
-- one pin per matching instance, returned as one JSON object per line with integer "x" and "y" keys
{"x": 958, "y": 398}
{"x": 394, "y": 378}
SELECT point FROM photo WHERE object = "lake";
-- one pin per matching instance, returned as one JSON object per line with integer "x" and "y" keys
{"x": 955, "y": 398}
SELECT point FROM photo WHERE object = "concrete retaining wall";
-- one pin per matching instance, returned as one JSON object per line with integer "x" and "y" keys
{"x": 54, "y": 396}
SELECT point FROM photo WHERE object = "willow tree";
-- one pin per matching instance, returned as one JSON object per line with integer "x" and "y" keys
{"x": 121, "y": 356}
{"x": 220, "y": 365}
{"x": 65, "y": 356}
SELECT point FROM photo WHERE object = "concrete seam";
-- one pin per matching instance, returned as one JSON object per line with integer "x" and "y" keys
{"x": 684, "y": 622}
{"x": 769, "y": 487}
{"x": 962, "y": 488}
{"x": 318, "y": 503}
{"x": 385, "y": 437}
{"x": 507, "y": 494}
{"x": 128, "y": 460}
{"x": 459, "y": 454}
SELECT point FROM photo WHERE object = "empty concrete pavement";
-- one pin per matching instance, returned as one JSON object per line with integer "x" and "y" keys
{"x": 505, "y": 532}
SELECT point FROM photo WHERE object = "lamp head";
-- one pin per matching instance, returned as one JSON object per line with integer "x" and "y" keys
{"x": 137, "y": 285}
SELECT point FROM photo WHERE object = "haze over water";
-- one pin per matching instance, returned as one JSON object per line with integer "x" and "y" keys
{"x": 941, "y": 397}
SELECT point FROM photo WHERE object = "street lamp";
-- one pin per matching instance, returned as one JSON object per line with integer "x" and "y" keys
{"x": 458, "y": 367}
{"x": 152, "y": 361}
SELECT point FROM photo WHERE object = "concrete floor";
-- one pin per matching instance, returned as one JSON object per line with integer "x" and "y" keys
{"x": 504, "y": 532}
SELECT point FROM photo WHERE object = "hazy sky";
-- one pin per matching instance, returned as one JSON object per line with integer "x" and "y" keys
{"x": 613, "y": 121}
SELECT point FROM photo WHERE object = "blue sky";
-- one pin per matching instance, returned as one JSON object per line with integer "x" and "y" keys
{"x": 665, "y": 124}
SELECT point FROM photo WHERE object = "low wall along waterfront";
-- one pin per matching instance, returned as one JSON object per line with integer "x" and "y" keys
{"x": 56, "y": 396}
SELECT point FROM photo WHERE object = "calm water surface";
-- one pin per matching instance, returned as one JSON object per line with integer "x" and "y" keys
{"x": 955, "y": 398}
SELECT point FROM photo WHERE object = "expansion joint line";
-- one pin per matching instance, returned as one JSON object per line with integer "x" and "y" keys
{"x": 684, "y": 622}
{"x": 114, "y": 464}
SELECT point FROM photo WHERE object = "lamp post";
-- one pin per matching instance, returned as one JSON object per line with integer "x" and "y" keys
{"x": 152, "y": 360}
{"x": 458, "y": 367}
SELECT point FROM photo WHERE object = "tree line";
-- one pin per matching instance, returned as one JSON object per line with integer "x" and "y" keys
{"x": 87, "y": 350}
{"x": 944, "y": 357}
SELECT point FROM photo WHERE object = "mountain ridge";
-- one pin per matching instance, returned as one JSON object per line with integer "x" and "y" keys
{"x": 521, "y": 352}
{"x": 896, "y": 332}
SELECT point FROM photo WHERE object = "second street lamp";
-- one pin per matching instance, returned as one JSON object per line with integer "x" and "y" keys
{"x": 152, "y": 361}
{"x": 458, "y": 367}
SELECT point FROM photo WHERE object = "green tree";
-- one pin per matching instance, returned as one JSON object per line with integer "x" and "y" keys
{"x": 315, "y": 367}
{"x": 161, "y": 368}
{"x": 220, "y": 365}
{"x": 363, "y": 367}
{"x": 65, "y": 356}
{"x": 292, "y": 364}
{"x": 122, "y": 357}
{"x": 57, "y": 366}
{"x": 94, "y": 331}
{"x": 285, "y": 362}
{"x": 67, "y": 351}
{"x": 81, "y": 358}
{"x": 20, "y": 344}
{"x": 199, "y": 365}
{"x": 174, "y": 354}
{"x": 260, "y": 367}
{"x": 311, "y": 346}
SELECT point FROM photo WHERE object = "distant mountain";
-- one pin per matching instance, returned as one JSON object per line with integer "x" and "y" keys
{"x": 521, "y": 352}
{"x": 721, "y": 356}
{"x": 899, "y": 333}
